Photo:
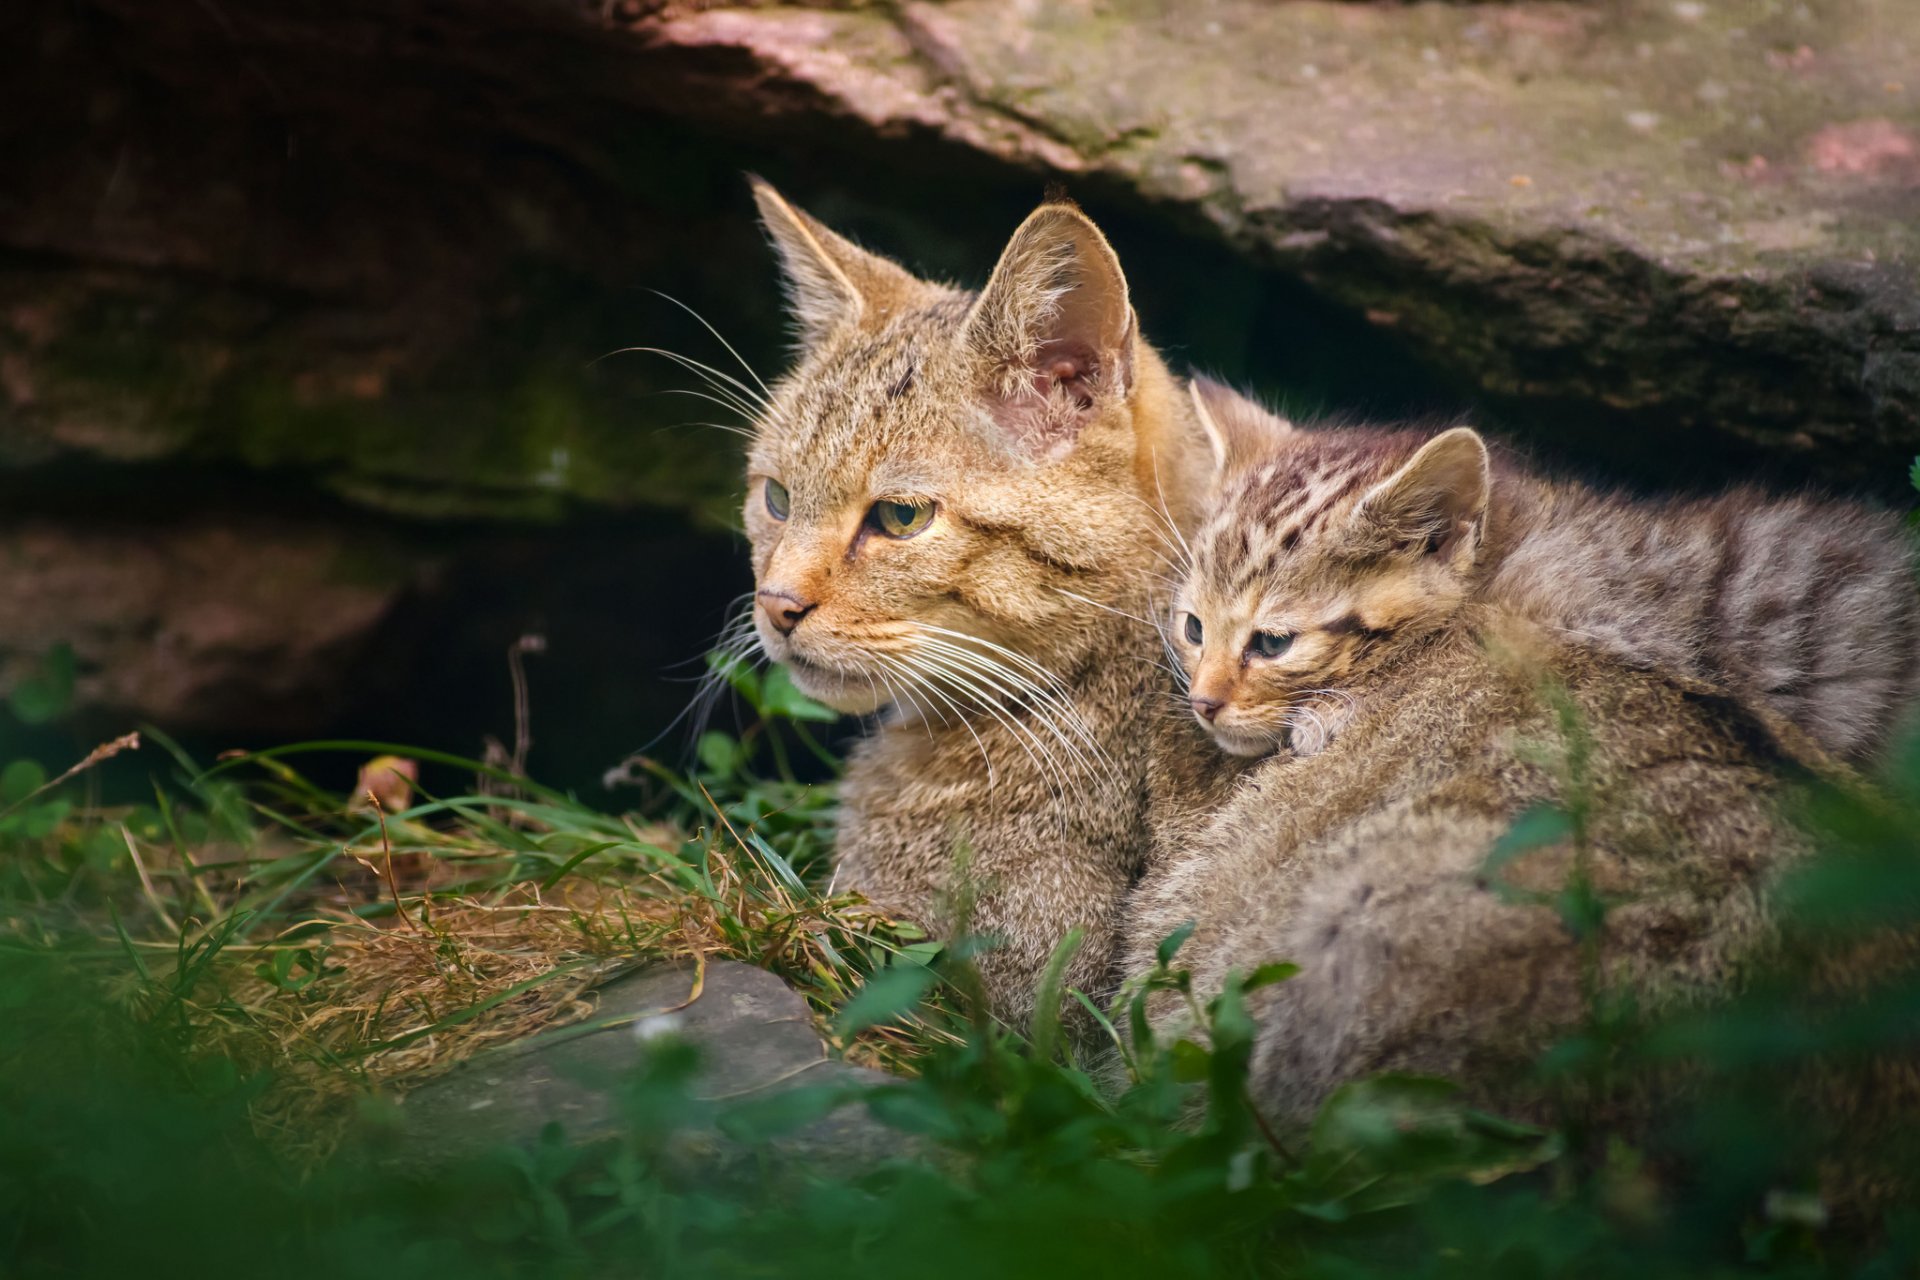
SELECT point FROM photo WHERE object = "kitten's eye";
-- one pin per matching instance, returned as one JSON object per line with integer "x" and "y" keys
{"x": 1269, "y": 644}
{"x": 1194, "y": 631}
{"x": 778, "y": 504}
{"x": 902, "y": 519}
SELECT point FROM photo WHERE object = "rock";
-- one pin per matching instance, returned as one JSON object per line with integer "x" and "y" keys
{"x": 1694, "y": 218}
{"x": 201, "y": 623}
{"x": 228, "y": 621}
{"x": 359, "y": 260}
{"x": 755, "y": 1040}
{"x": 263, "y": 292}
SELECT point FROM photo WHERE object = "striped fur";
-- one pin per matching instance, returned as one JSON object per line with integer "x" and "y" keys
{"x": 1003, "y": 651}
{"x": 1442, "y": 635}
{"x": 1804, "y": 608}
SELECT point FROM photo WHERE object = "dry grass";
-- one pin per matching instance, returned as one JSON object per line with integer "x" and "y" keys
{"x": 348, "y": 957}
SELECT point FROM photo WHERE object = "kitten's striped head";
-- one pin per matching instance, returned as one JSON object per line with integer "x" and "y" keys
{"x": 943, "y": 472}
{"x": 1327, "y": 554}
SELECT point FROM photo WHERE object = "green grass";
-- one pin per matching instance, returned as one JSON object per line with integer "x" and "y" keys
{"x": 183, "y": 1095}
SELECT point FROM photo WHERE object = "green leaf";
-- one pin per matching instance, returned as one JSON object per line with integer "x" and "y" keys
{"x": 1171, "y": 944}
{"x": 1141, "y": 1027}
{"x": 1190, "y": 1061}
{"x": 1105, "y": 1024}
{"x": 739, "y": 672}
{"x": 126, "y": 943}
{"x": 719, "y": 754}
{"x": 886, "y": 996}
{"x": 1913, "y": 473}
{"x": 1371, "y": 1118}
{"x": 1847, "y": 892}
{"x": 1582, "y": 911}
{"x": 20, "y": 779}
{"x": 48, "y": 692}
{"x": 920, "y": 953}
{"x": 762, "y": 1118}
{"x": 776, "y": 862}
{"x": 1046, "y": 1009}
{"x": 1538, "y": 828}
{"x": 1397, "y": 1135}
{"x": 1228, "y": 1018}
{"x": 1266, "y": 975}
{"x": 103, "y": 849}
{"x": 779, "y": 696}
{"x": 912, "y": 1109}
{"x": 44, "y": 819}
{"x": 291, "y": 971}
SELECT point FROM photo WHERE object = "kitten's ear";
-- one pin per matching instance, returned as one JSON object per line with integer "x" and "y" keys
{"x": 1434, "y": 502}
{"x": 1240, "y": 431}
{"x": 1054, "y": 327}
{"x": 831, "y": 281}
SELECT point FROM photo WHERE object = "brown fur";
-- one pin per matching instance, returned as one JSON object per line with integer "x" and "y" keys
{"x": 1805, "y": 609}
{"x": 1414, "y": 720}
{"x": 1364, "y": 865}
{"x": 1059, "y": 455}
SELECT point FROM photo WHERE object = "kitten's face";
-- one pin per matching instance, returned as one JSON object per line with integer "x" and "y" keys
{"x": 1327, "y": 556}
{"x": 920, "y": 507}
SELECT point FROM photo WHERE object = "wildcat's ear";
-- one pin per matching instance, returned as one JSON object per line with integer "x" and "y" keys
{"x": 1434, "y": 502}
{"x": 1054, "y": 328}
{"x": 831, "y": 281}
{"x": 1240, "y": 431}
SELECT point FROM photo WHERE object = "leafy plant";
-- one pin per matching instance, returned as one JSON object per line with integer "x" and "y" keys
{"x": 200, "y": 996}
{"x": 45, "y": 693}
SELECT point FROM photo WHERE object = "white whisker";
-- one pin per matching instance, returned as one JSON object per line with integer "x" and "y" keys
{"x": 1118, "y": 613}
{"x": 766, "y": 394}
{"x": 742, "y": 432}
{"x": 1031, "y": 742}
{"x": 986, "y": 757}
{"x": 701, "y": 395}
{"x": 1011, "y": 684}
{"x": 739, "y": 393}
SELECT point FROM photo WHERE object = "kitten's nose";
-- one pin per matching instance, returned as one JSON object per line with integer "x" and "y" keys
{"x": 1206, "y": 708}
{"x": 784, "y": 610}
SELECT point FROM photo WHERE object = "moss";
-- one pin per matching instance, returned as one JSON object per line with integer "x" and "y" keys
{"x": 515, "y": 425}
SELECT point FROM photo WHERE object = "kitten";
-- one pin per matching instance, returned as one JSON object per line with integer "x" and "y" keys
{"x": 1804, "y": 608}
{"x": 957, "y": 502}
{"x": 1338, "y": 603}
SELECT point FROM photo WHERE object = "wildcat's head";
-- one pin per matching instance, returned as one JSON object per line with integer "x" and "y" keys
{"x": 1327, "y": 554}
{"x": 945, "y": 476}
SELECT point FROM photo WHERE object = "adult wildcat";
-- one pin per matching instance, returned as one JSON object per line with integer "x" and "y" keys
{"x": 957, "y": 503}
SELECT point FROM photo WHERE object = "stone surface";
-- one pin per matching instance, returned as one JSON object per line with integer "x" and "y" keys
{"x": 357, "y": 260}
{"x": 755, "y": 1041}
{"x": 199, "y": 624}
{"x": 1703, "y": 216}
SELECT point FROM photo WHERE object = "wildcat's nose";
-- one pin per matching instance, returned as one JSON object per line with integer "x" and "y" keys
{"x": 784, "y": 610}
{"x": 1206, "y": 708}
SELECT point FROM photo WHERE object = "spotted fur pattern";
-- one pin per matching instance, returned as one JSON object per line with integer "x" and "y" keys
{"x": 1003, "y": 652}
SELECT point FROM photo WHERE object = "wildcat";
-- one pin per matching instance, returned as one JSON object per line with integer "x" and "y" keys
{"x": 1339, "y": 613}
{"x": 957, "y": 502}
{"x": 1806, "y": 609}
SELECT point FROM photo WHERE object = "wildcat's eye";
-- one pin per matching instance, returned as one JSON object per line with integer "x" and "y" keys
{"x": 778, "y": 503}
{"x": 1269, "y": 644}
{"x": 902, "y": 519}
{"x": 1194, "y": 631}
